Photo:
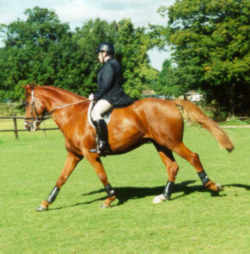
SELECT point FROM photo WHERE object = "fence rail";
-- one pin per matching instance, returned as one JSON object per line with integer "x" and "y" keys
{"x": 16, "y": 130}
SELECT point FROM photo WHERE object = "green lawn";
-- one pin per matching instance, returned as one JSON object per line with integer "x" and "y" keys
{"x": 194, "y": 221}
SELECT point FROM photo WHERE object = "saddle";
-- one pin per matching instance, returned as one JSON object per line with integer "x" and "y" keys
{"x": 106, "y": 117}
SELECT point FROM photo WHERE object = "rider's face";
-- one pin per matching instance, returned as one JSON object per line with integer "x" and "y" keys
{"x": 101, "y": 56}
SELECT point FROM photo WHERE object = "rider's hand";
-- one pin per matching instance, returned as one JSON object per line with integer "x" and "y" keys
{"x": 91, "y": 97}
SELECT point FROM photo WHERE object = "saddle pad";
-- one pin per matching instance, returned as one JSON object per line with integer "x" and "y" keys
{"x": 106, "y": 116}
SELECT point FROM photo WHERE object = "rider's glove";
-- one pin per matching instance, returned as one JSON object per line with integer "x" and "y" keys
{"x": 91, "y": 97}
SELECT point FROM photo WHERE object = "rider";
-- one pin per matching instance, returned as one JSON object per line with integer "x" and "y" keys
{"x": 108, "y": 95}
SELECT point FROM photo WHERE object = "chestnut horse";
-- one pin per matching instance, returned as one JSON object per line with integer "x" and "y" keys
{"x": 156, "y": 120}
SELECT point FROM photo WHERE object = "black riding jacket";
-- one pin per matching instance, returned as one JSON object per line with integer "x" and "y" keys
{"x": 110, "y": 82}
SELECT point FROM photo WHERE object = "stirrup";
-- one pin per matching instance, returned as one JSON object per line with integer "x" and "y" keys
{"x": 94, "y": 150}
{"x": 100, "y": 152}
{"x": 102, "y": 149}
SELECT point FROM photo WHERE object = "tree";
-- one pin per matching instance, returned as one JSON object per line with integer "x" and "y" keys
{"x": 28, "y": 55}
{"x": 43, "y": 50}
{"x": 210, "y": 42}
{"x": 132, "y": 46}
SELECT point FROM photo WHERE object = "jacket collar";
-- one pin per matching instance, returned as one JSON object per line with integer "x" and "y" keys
{"x": 108, "y": 60}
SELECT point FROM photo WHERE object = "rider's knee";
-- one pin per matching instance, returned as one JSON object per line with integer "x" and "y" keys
{"x": 95, "y": 115}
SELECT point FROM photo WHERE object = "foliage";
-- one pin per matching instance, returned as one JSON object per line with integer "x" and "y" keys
{"x": 43, "y": 50}
{"x": 210, "y": 46}
{"x": 9, "y": 109}
{"x": 133, "y": 45}
{"x": 166, "y": 81}
{"x": 235, "y": 121}
{"x": 28, "y": 55}
{"x": 192, "y": 221}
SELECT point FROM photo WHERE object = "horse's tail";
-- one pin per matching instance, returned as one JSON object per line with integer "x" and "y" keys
{"x": 192, "y": 112}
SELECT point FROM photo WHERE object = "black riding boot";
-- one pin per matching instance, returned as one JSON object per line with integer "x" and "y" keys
{"x": 102, "y": 137}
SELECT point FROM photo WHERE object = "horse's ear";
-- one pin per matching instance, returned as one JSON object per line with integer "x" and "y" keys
{"x": 26, "y": 87}
{"x": 29, "y": 88}
{"x": 32, "y": 86}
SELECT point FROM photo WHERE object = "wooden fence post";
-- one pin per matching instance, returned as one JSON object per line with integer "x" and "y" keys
{"x": 16, "y": 130}
{"x": 15, "y": 126}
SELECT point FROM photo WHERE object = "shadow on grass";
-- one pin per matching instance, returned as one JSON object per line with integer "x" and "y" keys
{"x": 123, "y": 194}
{"x": 247, "y": 187}
{"x": 126, "y": 193}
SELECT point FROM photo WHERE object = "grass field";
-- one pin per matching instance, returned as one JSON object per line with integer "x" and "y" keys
{"x": 194, "y": 221}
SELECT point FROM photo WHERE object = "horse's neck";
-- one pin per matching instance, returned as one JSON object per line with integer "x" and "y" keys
{"x": 54, "y": 98}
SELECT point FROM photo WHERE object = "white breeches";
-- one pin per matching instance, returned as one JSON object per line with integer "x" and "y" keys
{"x": 101, "y": 107}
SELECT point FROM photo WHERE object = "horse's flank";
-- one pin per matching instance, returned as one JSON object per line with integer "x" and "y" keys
{"x": 128, "y": 128}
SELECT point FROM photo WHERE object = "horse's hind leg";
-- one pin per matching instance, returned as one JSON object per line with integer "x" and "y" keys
{"x": 193, "y": 159}
{"x": 172, "y": 169}
{"x": 70, "y": 163}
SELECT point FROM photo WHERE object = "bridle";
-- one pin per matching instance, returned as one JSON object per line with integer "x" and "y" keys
{"x": 35, "y": 118}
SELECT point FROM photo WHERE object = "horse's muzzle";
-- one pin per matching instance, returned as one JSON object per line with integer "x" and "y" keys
{"x": 32, "y": 126}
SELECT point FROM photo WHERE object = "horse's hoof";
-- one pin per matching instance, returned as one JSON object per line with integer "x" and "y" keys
{"x": 219, "y": 187}
{"x": 104, "y": 206}
{"x": 159, "y": 199}
{"x": 212, "y": 186}
{"x": 41, "y": 208}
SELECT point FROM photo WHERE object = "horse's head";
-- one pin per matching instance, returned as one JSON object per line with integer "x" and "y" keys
{"x": 34, "y": 109}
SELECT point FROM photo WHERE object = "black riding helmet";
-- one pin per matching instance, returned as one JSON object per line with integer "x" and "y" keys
{"x": 105, "y": 46}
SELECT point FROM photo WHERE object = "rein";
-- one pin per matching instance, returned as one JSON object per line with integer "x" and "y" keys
{"x": 65, "y": 106}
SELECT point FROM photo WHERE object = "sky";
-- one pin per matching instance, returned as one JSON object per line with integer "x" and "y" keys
{"x": 75, "y": 12}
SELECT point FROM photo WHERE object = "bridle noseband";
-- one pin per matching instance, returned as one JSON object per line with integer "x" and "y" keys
{"x": 33, "y": 111}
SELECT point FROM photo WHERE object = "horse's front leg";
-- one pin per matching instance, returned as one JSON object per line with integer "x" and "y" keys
{"x": 70, "y": 163}
{"x": 95, "y": 161}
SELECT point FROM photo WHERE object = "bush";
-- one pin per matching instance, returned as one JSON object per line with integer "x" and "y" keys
{"x": 8, "y": 109}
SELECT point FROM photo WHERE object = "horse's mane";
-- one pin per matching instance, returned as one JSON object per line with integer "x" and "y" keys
{"x": 62, "y": 92}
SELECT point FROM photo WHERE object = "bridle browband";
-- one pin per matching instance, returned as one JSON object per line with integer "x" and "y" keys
{"x": 33, "y": 110}
{"x": 35, "y": 119}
